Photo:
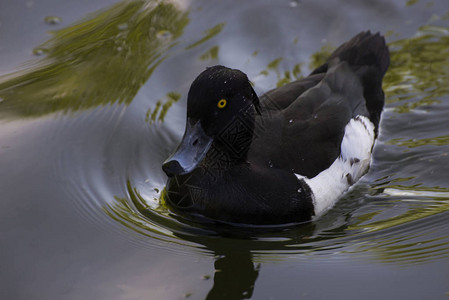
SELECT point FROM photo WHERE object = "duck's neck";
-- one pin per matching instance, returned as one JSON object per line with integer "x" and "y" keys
{"x": 231, "y": 145}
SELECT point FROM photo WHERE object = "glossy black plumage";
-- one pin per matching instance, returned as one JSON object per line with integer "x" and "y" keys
{"x": 248, "y": 174}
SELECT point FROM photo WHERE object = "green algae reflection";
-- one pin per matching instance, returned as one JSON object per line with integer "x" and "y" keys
{"x": 419, "y": 70}
{"x": 161, "y": 109}
{"x": 103, "y": 59}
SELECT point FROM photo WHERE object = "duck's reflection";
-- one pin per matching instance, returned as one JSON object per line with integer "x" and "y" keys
{"x": 232, "y": 245}
{"x": 235, "y": 270}
{"x": 235, "y": 276}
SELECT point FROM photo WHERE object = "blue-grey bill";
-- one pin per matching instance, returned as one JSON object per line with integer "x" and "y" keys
{"x": 190, "y": 152}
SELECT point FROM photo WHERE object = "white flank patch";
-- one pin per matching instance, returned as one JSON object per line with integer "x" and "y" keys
{"x": 353, "y": 163}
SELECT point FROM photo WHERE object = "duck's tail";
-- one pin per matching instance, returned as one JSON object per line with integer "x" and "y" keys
{"x": 368, "y": 56}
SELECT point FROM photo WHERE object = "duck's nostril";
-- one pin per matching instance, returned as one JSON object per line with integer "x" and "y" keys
{"x": 172, "y": 168}
{"x": 195, "y": 142}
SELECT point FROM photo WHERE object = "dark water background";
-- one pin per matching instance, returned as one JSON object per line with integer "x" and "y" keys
{"x": 93, "y": 102}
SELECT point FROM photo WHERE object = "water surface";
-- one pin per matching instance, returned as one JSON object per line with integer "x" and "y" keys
{"x": 92, "y": 102}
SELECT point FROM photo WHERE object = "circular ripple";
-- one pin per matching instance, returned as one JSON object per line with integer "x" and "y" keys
{"x": 115, "y": 181}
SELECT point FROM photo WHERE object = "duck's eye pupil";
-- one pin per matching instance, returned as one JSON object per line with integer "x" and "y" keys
{"x": 222, "y": 103}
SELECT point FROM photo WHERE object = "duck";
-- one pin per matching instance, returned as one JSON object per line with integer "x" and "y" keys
{"x": 287, "y": 156}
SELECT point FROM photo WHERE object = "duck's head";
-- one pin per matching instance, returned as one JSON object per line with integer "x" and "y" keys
{"x": 217, "y": 98}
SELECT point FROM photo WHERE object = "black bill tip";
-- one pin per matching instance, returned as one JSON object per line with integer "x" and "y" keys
{"x": 172, "y": 168}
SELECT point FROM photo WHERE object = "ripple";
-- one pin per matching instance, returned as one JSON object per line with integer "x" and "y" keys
{"x": 398, "y": 239}
{"x": 111, "y": 151}
{"x": 117, "y": 184}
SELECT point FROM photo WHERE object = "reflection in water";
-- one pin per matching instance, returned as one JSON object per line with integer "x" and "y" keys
{"x": 286, "y": 76}
{"x": 211, "y": 54}
{"x": 374, "y": 234}
{"x": 158, "y": 113}
{"x": 420, "y": 202}
{"x": 103, "y": 59}
{"x": 316, "y": 60}
{"x": 412, "y": 143}
{"x": 235, "y": 276}
{"x": 208, "y": 34}
{"x": 419, "y": 73}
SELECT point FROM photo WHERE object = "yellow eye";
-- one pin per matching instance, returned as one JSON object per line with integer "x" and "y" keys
{"x": 222, "y": 103}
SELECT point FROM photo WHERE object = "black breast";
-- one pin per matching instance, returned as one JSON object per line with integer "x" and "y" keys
{"x": 245, "y": 194}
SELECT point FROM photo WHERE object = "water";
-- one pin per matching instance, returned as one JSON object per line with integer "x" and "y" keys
{"x": 86, "y": 125}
